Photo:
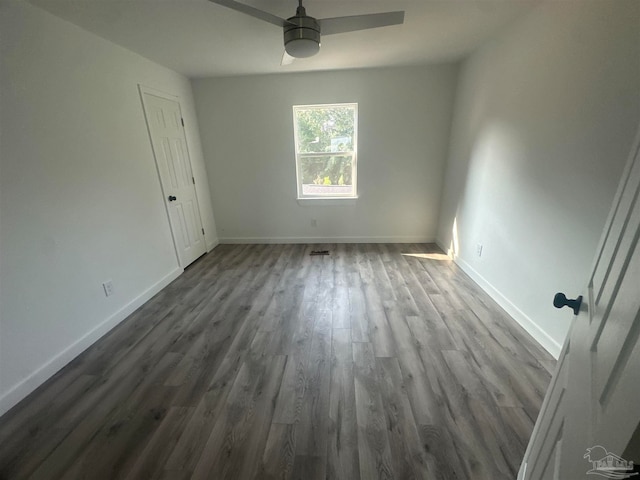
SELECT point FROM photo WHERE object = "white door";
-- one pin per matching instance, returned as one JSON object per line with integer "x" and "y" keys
{"x": 587, "y": 427}
{"x": 166, "y": 130}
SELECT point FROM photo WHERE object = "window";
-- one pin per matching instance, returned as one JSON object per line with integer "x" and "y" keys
{"x": 326, "y": 146}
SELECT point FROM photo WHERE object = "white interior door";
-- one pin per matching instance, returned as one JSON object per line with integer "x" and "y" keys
{"x": 588, "y": 424}
{"x": 166, "y": 130}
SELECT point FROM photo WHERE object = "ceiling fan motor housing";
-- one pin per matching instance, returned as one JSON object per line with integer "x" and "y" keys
{"x": 302, "y": 36}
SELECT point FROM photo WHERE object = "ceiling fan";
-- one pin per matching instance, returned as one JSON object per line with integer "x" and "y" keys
{"x": 302, "y": 32}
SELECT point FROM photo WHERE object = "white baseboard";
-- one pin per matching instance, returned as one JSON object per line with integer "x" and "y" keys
{"x": 213, "y": 244}
{"x": 440, "y": 243}
{"x": 272, "y": 240}
{"x": 532, "y": 328}
{"x": 47, "y": 370}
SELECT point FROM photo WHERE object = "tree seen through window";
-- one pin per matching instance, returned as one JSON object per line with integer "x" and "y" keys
{"x": 325, "y": 150}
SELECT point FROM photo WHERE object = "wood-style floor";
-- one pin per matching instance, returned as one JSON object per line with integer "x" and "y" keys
{"x": 261, "y": 361}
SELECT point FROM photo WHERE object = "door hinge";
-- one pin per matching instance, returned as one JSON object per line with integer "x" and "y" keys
{"x": 182, "y": 120}
{"x": 203, "y": 231}
{"x": 193, "y": 180}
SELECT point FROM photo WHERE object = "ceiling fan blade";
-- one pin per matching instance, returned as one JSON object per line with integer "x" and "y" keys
{"x": 254, "y": 12}
{"x": 286, "y": 59}
{"x": 329, "y": 26}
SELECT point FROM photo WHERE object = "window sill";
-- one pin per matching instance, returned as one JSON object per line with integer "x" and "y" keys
{"x": 327, "y": 202}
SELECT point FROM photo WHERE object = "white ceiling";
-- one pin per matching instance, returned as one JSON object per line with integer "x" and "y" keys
{"x": 199, "y": 39}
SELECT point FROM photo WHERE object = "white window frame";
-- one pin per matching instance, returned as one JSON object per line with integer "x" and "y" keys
{"x": 353, "y": 153}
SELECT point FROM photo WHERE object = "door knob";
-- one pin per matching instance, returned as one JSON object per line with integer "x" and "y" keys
{"x": 560, "y": 300}
{"x": 172, "y": 198}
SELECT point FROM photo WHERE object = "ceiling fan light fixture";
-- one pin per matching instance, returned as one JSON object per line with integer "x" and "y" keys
{"x": 302, "y": 32}
{"x": 302, "y": 47}
{"x": 302, "y": 37}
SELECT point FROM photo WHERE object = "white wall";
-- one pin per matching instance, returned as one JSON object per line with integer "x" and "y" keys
{"x": 80, "y": 200}
{"x": 404, "y": 119}
{"x": 544, "y": 120}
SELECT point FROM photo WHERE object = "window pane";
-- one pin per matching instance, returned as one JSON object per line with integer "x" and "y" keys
{"x": 327, "y": 175}
{"x": 325, "y": 129}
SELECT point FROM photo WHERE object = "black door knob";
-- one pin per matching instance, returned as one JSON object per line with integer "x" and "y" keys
{"x": 172, "y": 198}
{"x": 560, "y": 300}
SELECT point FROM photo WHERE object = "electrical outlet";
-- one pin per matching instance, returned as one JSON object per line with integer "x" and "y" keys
{"x": 479, "y": 249}
{"x": 314, "y": 222}
{"x": 108, "y": 288}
